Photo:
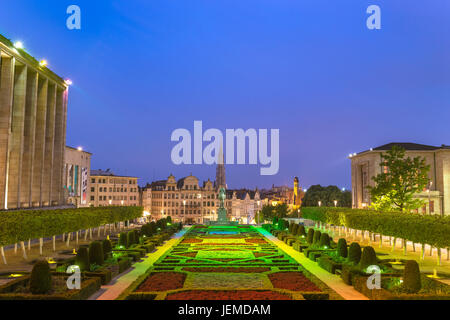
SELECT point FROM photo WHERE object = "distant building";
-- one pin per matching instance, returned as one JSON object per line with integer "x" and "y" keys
{"x": 33, "y": 112}
{"x": 187, "y": 201}
{"x": 76, "y": 175}
{"x": 292, "y": 196}
{"x": 367, "y": 164}
{"x": 108, "y": 189}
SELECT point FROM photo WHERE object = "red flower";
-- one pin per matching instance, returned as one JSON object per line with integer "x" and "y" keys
{"x": 294, "y": 281}
{"x": 162, "y": 281}
{"x": 228, "y": 295}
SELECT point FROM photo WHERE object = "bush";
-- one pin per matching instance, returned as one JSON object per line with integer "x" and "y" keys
{"x": 316, "y": 238}
{"x": 82, "y": 258}
{"x": 130, "y": 238}
{"x": 96, "y": 253}
{"x": 301, "y": 230}
{"x": 354, "y": 253}
{"x": 41, "y": 278}
{"x": 294, "y": 228}
{"x": 368, "y": 258}
{"x": 411, "y": 277}
{"x": 342, "y": 249}
{"x": 123, "y": 240}
{"x": 137, "y": 236}
{"x": 107, "y": 247}
{"x": 324, "y": 241}
{"x": 310, "y": 236}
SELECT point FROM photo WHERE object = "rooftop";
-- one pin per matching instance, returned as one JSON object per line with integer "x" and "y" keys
{"x": 107, "y": 172}
{"x": 408, "y": 146}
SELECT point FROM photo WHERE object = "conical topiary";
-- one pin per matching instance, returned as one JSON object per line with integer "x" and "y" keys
{"x": 123, "y": 240}
{"x": 294, "y": 228}
{"x": 411, "y": 277}
{"x": 310, "y": 236}
{"x": 82, "y": 259}
{"x": 354, "y": 253}
{"x": 130, "y": 238}
{"x": 368, "y": 257}
{"x": 317, "y": 235}
{"x": 301, "y": 230}
{"x": 41, "y": 278}
{"x": 96, "y": 253}
{"x": 324, "y": 241}
{"x": 342, "y": 249}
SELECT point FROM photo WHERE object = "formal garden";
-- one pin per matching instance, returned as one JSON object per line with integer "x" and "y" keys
{"x": 355, "y": 263}
{"x": 104, "y": 246}
{"x": 227, "y": 263}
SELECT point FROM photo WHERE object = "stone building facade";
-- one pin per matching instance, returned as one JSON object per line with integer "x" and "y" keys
{"x": 108, "y": 189}
{"x": 77, "y": 168}
{"x": 187, "y": 201}
{"x": 33, "y": 112}
{"x": 367, "y": 164}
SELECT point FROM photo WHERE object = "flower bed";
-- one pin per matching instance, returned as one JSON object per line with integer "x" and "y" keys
{"x": 294, "y": 281}
{"x": 162, "y": 281}
{"x": 227, "y": 269}
{"x": 228, "y": 295}
{"x": 258, "y": 241}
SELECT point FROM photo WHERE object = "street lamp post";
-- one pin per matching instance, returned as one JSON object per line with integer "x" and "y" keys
{"x": 320, "y": 203}
{"x": 335, "y": 203}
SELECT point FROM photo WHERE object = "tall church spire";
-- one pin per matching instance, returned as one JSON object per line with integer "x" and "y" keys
{"x": 220, "y": 170}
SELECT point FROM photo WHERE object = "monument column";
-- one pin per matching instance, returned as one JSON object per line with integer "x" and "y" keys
{"x": 6, "y": 101}
{"x": 49, "y": 143}
{"x": 16, "y": 136}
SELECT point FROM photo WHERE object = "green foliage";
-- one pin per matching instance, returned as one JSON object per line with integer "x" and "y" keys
{"x": 327, "y": 196}
{"x": 123, "y": 240}
{"x": 301, "y": 230}
{"x": 294, "y": 228}
{"x": 368, "y": 258}
{"x": 316, "y": 238}
{"x": 404, "y": 177}
{"x": 430, "y": 229}
{"x": 22, "y": 225}
{"x": 324, "y": 241}
{"x": 342, "y": 249}
{"x": 270, "y": 212}
{"x": 107, "y": 247}
{"x": 354, "y": 253}
{"x": 310, "y": 236}
{"x": 131, "y": 238}
{"x": 41, "y": 278}
{"x": 82, "y": 258}
{"x": 96, "y": 253}
{"x": 411, "y": 277}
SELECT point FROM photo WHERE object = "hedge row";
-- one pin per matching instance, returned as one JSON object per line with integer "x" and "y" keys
{"x": 22, "y": 225}
{"x": 426, "y": 229}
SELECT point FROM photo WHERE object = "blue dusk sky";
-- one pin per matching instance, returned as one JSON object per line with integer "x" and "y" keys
{"x": 311, "y": 69}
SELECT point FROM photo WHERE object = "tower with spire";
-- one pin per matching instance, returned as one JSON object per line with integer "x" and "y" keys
{"x": 220, "y": 171}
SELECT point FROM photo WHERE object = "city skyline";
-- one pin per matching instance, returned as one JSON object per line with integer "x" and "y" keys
{"x": 280, "y": 65}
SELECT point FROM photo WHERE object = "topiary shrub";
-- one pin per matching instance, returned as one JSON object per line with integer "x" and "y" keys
{"x": 324, "y": 241}
{"x": 96, "y": 253}
{"x": 107, "y": 247}
{"x": 130, "y": 238}
{"x": 82, "y": 259}
{"x": 354, "y": 253}
{"x": 310, "y": 236}
{"x": 301, "y": 230}
{"x": 368, "y": 258}
{"x": 316, "y": 238}
{"x": 41, "y": 278}
{"x": 137, "y": 236}
{"x": 342, "y": 249}
{"x": 411, "y": 277}
{"x": 123, "y": 241}
{"x": 294, "y": 228}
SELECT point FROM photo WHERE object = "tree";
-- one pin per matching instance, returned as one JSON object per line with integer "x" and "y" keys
{"x": 395, "y": 187}
{"x": 327, "y": 196}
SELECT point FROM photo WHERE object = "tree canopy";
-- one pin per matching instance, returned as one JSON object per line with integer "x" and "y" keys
{"x": 327, "y": 196}
{"x": 402, "y": 178}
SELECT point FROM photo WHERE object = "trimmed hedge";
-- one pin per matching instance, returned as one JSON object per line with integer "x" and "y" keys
{"x": 41, "y": 278}
{"x": 428, "y": 229}
{"x": 22, "y": 225}
{"x": 82, "y": 258}
{"x": 96, "y": 253}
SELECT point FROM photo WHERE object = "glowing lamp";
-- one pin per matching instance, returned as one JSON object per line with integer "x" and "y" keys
{"x": 43, "y": 63}
{"x": 80, "y": 148}
{"x": 68, "y": 82}
{"x": 18, "y": 45}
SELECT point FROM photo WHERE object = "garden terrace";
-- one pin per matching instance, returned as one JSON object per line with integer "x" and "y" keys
{"x": 226, "y": 262}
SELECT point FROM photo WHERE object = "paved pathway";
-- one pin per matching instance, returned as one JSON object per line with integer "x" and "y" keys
{"x": 333, "y": 281}
{"x": 112, "y": 291}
